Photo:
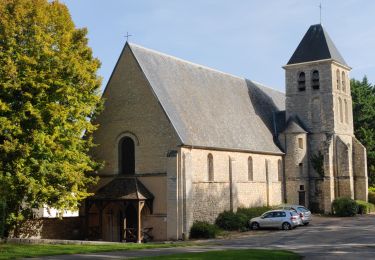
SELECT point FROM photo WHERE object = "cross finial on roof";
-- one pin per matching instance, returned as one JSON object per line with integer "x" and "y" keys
{"x": 127, "y": 36}
{"x": 320, "y": 13}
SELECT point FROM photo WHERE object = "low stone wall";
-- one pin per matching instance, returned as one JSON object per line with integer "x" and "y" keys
{"x": 52, "y": 228}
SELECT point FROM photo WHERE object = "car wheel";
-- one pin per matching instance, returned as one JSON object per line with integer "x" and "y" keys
{"x": 306, "y": 223}
{"x": 255, "y": 226}
{"x": 286, "y": 226}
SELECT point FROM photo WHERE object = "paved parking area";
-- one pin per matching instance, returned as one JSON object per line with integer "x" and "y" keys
{"x": 325, "y": 238}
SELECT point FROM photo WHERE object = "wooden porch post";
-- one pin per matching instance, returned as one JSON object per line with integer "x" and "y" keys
{"x": 140, "y": 205}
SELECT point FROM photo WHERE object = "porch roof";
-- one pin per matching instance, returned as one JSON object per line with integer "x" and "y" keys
{"x": 123, "y": 188}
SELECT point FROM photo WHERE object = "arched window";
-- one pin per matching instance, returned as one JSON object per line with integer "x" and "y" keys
{"x": 126, "y": 156}
{"x": 280, "y": 170}
{"x": 346, "y": 112}
{"x": 338, "y": 79}
{"x": 250, "y": 174}
{"x": 301, "y": 81}
{"x": 343, "y": 79}
{"x": 340, "y": 111}
{"x": 210, "y": 166}
{"x": 315, "y": 79}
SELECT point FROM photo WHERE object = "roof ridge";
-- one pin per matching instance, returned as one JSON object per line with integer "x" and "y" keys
{"x": 185, "y": 61}
{"x": 201, "y": 66}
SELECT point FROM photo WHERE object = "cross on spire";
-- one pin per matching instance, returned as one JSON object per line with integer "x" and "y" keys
{"x": 127, "y": 36}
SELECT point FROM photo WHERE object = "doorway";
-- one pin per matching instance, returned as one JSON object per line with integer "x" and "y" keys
{"x": 131, "y": 223}
{"x": 302, "y": 198}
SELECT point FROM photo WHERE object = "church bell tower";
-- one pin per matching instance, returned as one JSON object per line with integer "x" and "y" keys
{"x": 318, "y": 99}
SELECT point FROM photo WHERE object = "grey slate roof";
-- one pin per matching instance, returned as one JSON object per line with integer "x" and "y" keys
{"x": 123, "y": 188}
{"x": 293, "y": 126}
{"x": 279, "y": 119}
{"x": 316, "y": 45}
{"x": 209, "y": 108}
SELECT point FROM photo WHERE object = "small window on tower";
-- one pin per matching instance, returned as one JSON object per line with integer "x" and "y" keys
{"x": 315, "y": 79}
{"x": 300, "y": 143}
{"x": 338, "y": 79}
{"x": 301, "y": 81}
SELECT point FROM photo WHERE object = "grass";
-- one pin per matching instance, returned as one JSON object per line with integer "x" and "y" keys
{"x": 255, "y": 254}
{"x": 14, "y": 251}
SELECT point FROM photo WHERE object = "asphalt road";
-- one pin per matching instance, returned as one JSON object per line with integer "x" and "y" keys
{"x": 324, "y": 238}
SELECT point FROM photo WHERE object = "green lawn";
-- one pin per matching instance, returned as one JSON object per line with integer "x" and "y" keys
{"x": 252, "y": 254}
{"x": 13, "y": 251}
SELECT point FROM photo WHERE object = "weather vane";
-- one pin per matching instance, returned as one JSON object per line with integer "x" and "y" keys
{"x": 127, "y": 36}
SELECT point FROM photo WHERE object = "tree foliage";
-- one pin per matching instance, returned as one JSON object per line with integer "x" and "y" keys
{"x": 363, "y": 94}
{"x": 49, "y": 91}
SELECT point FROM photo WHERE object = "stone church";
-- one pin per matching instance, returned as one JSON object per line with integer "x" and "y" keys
{"x": 182, "y": 142}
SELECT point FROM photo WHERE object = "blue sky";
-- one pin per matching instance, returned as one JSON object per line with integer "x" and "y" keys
{"x": 247, "y": 38}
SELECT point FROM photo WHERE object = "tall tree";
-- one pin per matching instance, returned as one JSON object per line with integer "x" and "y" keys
{"x": 363, "y": 94}
{"x": 49, "y": 91}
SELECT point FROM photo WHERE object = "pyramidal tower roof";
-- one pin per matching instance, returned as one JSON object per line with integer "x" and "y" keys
{"x": 316, "y": 45}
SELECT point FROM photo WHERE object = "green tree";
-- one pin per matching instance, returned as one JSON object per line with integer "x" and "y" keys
{"x": 363, "y": 94}
{"x": 49, "y": 91}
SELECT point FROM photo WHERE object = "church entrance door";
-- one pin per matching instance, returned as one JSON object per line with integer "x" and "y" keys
{"x": 301, "y": 198}
{"x": 131, "y": 223}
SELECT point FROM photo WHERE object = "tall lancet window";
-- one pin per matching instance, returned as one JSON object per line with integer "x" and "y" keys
{"x": 343, "y": 82}
{"x": 250, "y": 174}
{"x": 280, "y": 170}
{"x": 301, "y": 81}
{"x": 126, "y": 156}
{"x": 338, "y": 79}
{"x": 210, "y": 166}
{"x": 315, "y": 79}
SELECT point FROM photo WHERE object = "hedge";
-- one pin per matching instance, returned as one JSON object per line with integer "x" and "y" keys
{"x": 371, "y": 196}
{"x": 364, "y": 207}
{"x": 203, "y": 229}
{"x": 344, "y": 207}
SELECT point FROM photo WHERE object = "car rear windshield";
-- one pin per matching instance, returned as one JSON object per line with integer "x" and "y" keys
{"x": 293, "y": 213}
{"x": 303, "y": 209}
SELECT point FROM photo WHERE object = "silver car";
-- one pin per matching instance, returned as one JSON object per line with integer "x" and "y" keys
{"x": 284, "y": 219}
{"x": 303, "y": 212}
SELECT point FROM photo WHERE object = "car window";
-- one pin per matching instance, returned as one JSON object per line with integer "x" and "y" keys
{"x": 267, "y": 215}
{"x": 303, "y": 209}
{"x": 283, "y": 214}
{"x": 293, "y": 213}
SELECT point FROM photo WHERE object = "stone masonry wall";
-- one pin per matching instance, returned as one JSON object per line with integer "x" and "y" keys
{"x": 209, "y": 198}
{"x": 131, "y": 109}
{"x": 52, "y": 228}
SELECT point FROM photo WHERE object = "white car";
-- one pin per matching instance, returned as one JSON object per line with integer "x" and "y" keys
{"x": 284, "y": 219}
{"x": 303, "y": 212}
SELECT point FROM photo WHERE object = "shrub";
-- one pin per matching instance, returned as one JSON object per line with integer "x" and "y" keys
{"x": 203, "y": 229}
{"x": 229, "y": 220}
{"x": 371, "y": 189}
{"x": 344, "y": 207}
{"x": 371, "y": 197}
{"x": 364, "y": 207}
{"x": 253, "y": 212}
